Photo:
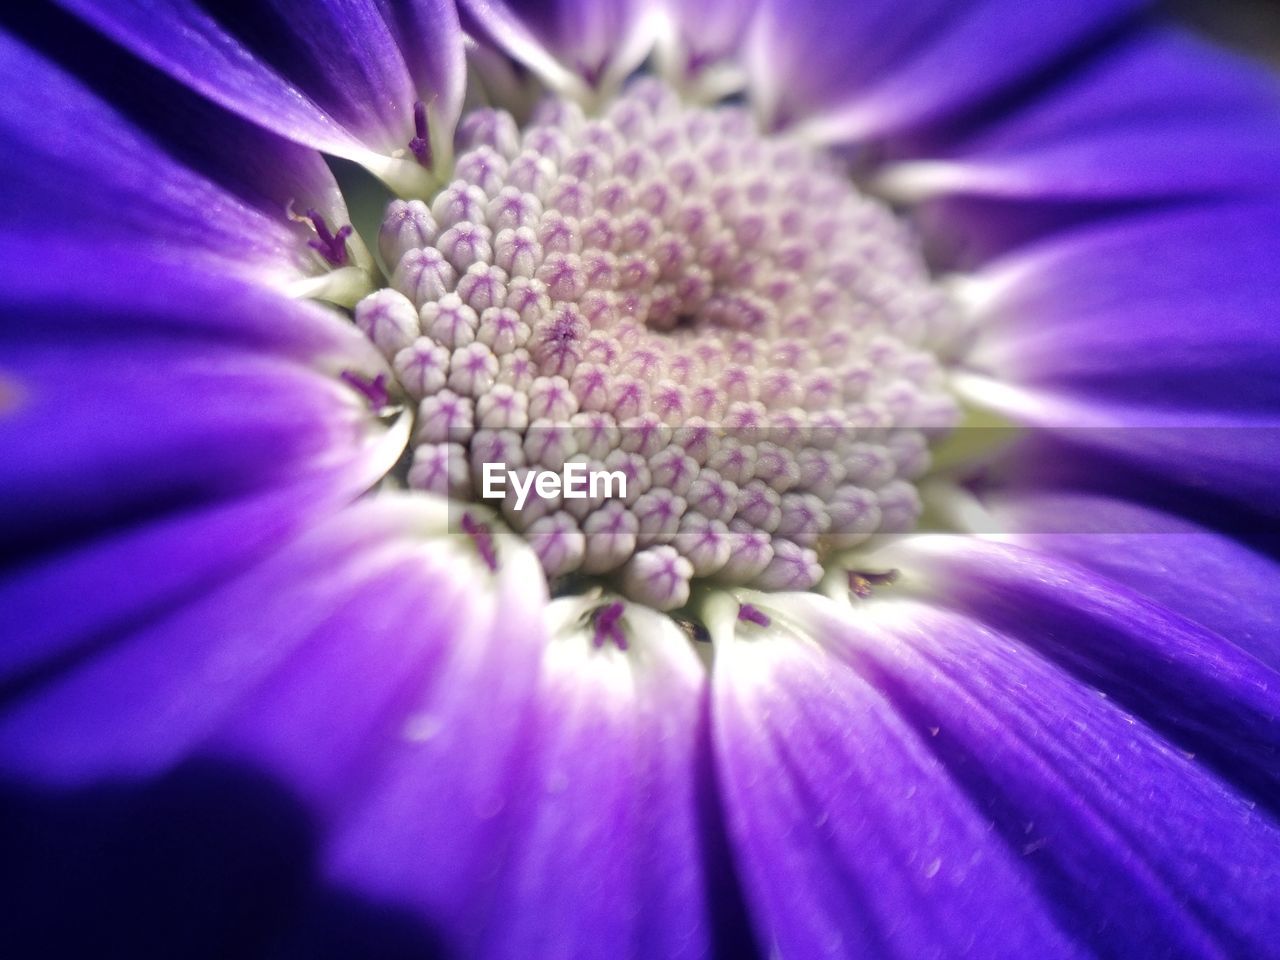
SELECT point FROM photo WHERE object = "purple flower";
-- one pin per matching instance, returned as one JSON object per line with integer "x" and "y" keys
{"x": 932, "y": 350}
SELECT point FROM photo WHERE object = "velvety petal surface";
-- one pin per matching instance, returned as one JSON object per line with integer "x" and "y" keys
{"x": 1204, "y": 694}
{"x": 125, "y": 577}
{"x": 848, "y": 71}
{"x": 82, "y": 174}
{"x": 1205, "y": 575}
{"x": 1162, "y": 115}
{"x": 133, "y": 388}
{"x": 1130, "y": 842}
{"x": 850, "y": 834}
{"x": 338, "y": 75}
{"x": 98, "y": 436}
{"x": 609, "y": 857}
{"x": 1141, "y": 342}
{"x": 62, "y": 289}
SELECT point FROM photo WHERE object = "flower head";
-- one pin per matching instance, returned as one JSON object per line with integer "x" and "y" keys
{"x": 759, "y": 479}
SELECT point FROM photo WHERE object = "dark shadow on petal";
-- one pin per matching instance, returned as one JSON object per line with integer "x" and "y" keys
{"x": 1049, "y": 460}
{"x": 201, "y": 135}
{"x": 211, "y": 860}
{"x": 731, "y": 934}
{"x": 1012, "y": 98}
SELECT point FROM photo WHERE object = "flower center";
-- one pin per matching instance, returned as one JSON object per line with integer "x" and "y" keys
{"x": 713, "y": 320}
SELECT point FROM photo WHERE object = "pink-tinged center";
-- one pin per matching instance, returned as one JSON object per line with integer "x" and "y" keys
{"x": 665, "y": 294}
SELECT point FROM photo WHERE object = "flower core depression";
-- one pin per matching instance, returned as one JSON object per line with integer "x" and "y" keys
{"x": 663, "y": 292}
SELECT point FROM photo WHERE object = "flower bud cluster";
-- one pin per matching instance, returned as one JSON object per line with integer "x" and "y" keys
{"x": 665, "y": 292}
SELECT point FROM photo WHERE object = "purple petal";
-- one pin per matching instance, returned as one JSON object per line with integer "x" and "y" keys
{"x": 1203, "y": 693}
{"x": 430, "y": 40}
{"x": 127, "y": 389}
{"x": 151, "y": 701}
{"x": 97, "y": 435}
{"x": 710, "y": 32}
{"x": 126, "y": 578}
{"x": 1201, "y": 574}
{"x": 75, "y": 287}
{"x": 858, "y": 70}
{"x": 145, "y": 700}
{"x": 451, "y": 763}
{"x": 850, "y": 834}
{"x": 1160, "y": 309}
{"x": 330, "y": 74}
{"x": 350, "y": 669}
{"x": 1132, "y": 846}
{"x": 607, "y": 855}
{"x": 1142, "y": 341}
{"x": 595, "y": 40}
{"x": 1163, "y": 115}
{"x": 79, "y": 172}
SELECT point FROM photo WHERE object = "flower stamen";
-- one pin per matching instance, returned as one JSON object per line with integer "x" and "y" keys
{"x": 420, "y": 145}
{"x": 748, "y": 613}
{"x": 331, "y": 246}
{"x": 374, "y": 390}
{"x": 863, "y": 582}
{"x": 606, "y": 622}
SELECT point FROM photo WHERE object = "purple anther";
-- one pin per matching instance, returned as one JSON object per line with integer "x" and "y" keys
{"x": 420, "y": 145}
{"x": 749, "y": 614}
{"x": 482, "y": 537}
{"x": 607, "y": 623}
{"x": 331, "y": 246}
{"x": 374, "y": 391}
{"x": 592, "y": 73}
